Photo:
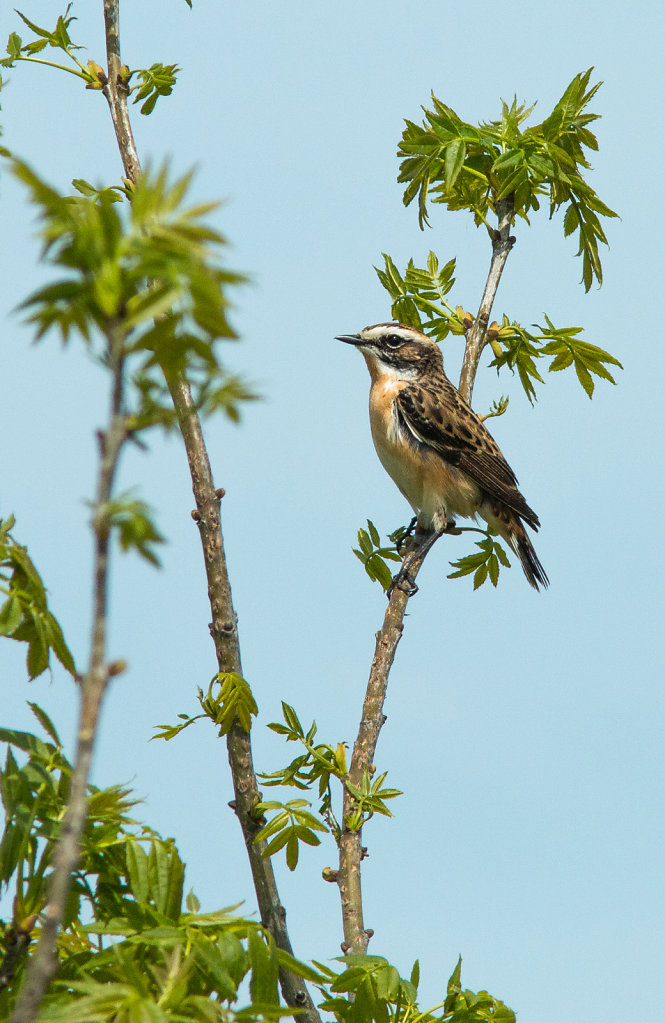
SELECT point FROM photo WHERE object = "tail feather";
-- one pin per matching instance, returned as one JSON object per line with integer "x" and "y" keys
{"x": 531, "y": 566}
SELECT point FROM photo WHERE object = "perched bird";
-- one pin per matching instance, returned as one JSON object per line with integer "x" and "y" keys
{"x": 434, "y": 446}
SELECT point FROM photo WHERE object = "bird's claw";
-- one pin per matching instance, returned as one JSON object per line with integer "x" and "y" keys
{"x": 402, "y": 582}
{"x": 408, "y": 533}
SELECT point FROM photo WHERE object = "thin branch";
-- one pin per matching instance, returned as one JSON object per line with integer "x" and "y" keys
{"x": 224, "y": 624}
{"x": 224, "y": 632}
{"x": 43, "y": 963}
{"x": 476, "y": 338}
{"x": 116, "y": 91}
{"x": 356, "y": 935}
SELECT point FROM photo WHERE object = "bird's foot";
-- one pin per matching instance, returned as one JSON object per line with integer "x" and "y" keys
{"x": 403, "y": 541}
{"x": 402, "y": 581}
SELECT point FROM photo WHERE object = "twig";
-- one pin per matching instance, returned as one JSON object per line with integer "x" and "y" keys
{"x": 356, "y": 935}
{"x": 224, "y": 625}
{"x": 116, "y": 92}
{"x": 476, "y": 338}
{"x": 42, "y": 965}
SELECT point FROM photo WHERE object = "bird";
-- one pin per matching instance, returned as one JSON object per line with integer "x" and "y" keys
{"x": 437, "y": 450}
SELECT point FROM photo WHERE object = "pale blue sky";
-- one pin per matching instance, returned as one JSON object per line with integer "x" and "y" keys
{"x": 525, "y": 730}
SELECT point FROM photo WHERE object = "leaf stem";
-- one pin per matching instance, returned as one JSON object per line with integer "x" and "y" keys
{"x": 60, "y": 67}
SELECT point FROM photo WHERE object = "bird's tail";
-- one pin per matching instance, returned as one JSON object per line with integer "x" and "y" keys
{"x": 519, "y": 540}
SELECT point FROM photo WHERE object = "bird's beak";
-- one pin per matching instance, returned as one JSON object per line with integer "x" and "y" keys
{"x": 350, "y": 339}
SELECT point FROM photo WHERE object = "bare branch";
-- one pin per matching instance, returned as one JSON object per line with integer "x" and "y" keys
{"x": 43, "y": 963}
{"x": 116, "y": 92}
{"x": 476, "y": 337}
{"x": 356, "y": 936}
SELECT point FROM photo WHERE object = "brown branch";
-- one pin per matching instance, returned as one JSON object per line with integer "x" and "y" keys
{"x": 476, "y": 338}
{"x": 224, "y": 624}
{"x": 116, "y": 92}
{"x": 224, "y": 631}
{"x": 43, "y": 964}
{"x": 356, "y": 935}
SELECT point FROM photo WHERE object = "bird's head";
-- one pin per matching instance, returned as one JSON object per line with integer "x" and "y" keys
{"x": 396, "y": 350}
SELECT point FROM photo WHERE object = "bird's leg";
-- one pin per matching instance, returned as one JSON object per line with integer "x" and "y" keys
{"x": 408, "y": 533}
{"x": 426, "y": 540}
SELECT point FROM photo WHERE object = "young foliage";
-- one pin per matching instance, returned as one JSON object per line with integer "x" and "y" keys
{"x": 149, "y": 270}
{"x": 485, "y": 564}
{"x": 24, "y": 613}
{"x": 233, "y": 701}
{"x": 291, "y": 825}
{"x": 132, "y": 519}
{"x": 128, "y": 949}
{"x": 369, "y": 798}
{"x": 518, "y": 349}
{"x": 376, "y": 992}
{"x": 418, "y": 300}
{"x": 318, "y": 766}
{"x": 473, "y": 168}
{"x": 373, "y": 555}
{"x": 418, "y": 297}
{"x": 157, "y": 80}
{"x": 57, "y": 38}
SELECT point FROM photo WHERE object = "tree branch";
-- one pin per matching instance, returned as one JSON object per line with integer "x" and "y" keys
{"x": 43, "y": 964}
{"x": 116, "y": 92}
{"x": 476, "y": 338}
{"x": 356, "y": 936}
{"x": 224, "y": 624}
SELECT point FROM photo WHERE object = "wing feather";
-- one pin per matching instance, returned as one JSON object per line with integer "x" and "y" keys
{"x": 446, "y": 424}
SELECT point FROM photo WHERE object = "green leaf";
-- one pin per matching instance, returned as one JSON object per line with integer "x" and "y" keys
{"x": 483, "y": 564}
{"x": 45, "y": 722}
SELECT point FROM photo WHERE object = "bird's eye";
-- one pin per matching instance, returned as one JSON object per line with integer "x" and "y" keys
{"x": 393, "y": 341}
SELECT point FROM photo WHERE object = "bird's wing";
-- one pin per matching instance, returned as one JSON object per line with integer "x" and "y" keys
{"x": 444, "y": 423}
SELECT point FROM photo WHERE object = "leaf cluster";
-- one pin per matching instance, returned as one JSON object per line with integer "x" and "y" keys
{"x": 24, "y": 613}
{"x": 57, "y": 38}
{"x": 291, "y": 825}
{"x": 374, "y": 555}
{"x": 369, "y": 798}
{"x": 233, "y": 702}
{"x": 129, "y": 949}
{"x": 318, "y": 766}
{"x": 417, "y": 298}
{"x": 144, "y": 276}
{"x": 474, "y": 168}
{"x": 376, "y": 992}
{"x": 132, "y": 519}
{"x": 315, "y": 767}
{"x": 485, "y": 563}
{"x": 518, "y": 349}
{"x": 157, "y": 80}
